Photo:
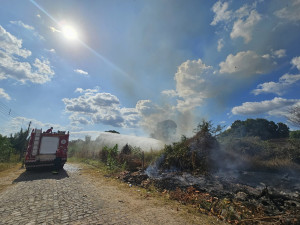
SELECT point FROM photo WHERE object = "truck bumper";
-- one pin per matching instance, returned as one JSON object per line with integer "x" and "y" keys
{"x": 43, "y": 164}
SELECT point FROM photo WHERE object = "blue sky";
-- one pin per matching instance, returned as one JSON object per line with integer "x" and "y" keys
{"x": 129, "y": 65}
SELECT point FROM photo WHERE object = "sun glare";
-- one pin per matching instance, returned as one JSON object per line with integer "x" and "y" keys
{"x": 69, "y": 32}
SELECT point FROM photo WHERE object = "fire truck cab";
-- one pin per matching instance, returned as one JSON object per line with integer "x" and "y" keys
{"x": 47, "y": 149}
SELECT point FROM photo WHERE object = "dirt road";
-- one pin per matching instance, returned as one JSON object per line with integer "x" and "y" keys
{"x": 75, "y": 197}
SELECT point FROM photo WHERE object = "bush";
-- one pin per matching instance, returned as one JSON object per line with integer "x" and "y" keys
{"x": 109, "y": 156}
{"x": 195, "y": 154}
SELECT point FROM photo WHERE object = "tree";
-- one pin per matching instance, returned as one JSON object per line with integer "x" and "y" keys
{"x": 112, "y": 131}
{"x": 283, "y": 130}
{"x": 261, "y": 128}
{"x": 207, "y": 127}
{"x": 19, "y": 140}
{"x": 5, "y": 149}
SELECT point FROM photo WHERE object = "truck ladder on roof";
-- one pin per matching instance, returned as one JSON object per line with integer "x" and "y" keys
{"x": 36, "y": 141}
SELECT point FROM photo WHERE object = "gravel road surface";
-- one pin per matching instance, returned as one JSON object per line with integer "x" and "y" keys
{"x": 72, "y": 197}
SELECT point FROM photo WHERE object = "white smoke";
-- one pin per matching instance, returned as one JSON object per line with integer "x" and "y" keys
{"x": 111, "y": 139}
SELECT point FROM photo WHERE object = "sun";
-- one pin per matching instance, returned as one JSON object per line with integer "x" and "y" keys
{"x": 69, "y": 32}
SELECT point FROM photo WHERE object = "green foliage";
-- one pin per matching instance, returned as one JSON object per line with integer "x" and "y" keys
{"x": 111, "y": 153}
{"x": 295, "y": 134}
{"x": 19, "y": 141}
{"x": 193, "y": 154}
{"x": 6, "y": 150}
{"x": 261, "y": 128}
{"x": 178, "y": 155}
{"x": 206, "y": 127}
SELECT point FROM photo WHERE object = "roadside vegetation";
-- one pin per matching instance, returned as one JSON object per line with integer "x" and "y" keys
{"x": 12, "y": 149}
{"x": 253, "y": 144}
{"x": 111, "y": 159}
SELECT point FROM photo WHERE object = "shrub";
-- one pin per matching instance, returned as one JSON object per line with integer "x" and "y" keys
{"x": 193, "y": 154}
{"x": 295, "y": 134}
{"x": 109, "y": 156}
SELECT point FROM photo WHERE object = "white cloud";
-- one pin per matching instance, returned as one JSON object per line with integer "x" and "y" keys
{"x": 28, "y": 27}
{"x": 14, "y": 125}
{"x": 12, "y": 45}
{"x": 276, "y": 106}
{"x": 93, "y": 106}
{"x": 113, "y": 118}
{"x": 81, "y": 90}
{"x": 296, "y": 62}
{"x": 105, "y": 99}
{"x": 247, "y": 63}
{"x": 245, "y": 18}
{"x": 147, "y": 107}
{"x": 244, "y": 28}
{"x": 4, "y": 95}
{"x": 277, "y": 88}
{"x": 21, "y": 24}
{"x": 15, "y": 68}
{"x": 81, "y": 72}
{"x": 290, "y": 12}
{"x": 40, "y": 72}
{"x": 52, "y": 50}
{"x": 82, "y": 104}
{"x": 220, "y": 44}
{"x": 243, "y": 12}
{"x": 279, "y": 53}
{"x": 192, "y": 84}
{"x": 221, "y": 12}
{"x": 79, "y": 119}
{"x": 170, "y": 93}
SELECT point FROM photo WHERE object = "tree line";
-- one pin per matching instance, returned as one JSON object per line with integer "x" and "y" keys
{"x": 262, "y": 128}
{"x": 13, "y": 147}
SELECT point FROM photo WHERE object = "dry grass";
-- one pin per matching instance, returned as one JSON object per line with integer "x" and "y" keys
{"x": 151, "y": 195}
{"x": 9, "y": 172}
{"x": 8, "y": 165}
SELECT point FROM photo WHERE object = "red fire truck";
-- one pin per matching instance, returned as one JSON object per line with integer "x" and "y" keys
{"x": 47, "y": 149}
